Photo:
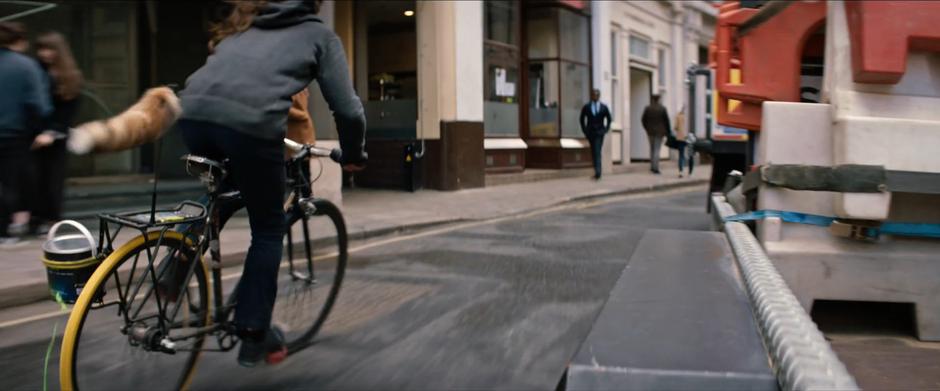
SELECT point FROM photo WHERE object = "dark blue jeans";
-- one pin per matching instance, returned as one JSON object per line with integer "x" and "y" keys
{"x": 256, "y": 168}
{"x": 683, "y": 158}
{"x": 597, "y": 147}
{"x": 15, "y": 188}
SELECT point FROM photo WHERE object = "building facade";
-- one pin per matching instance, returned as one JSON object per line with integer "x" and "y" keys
{"x": 453, "y": 90}
{"x": 499, "y": 84}
{"x": 474, "y": 87}
{"x": 644, "y": 48}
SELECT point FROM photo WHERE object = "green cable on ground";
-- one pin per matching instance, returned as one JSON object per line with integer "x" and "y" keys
{"x": 45, "y": 367}
{"x": 55, "y": 329}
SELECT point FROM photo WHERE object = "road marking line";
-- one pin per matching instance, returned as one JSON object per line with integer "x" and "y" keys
{"x": 568, "y": 206}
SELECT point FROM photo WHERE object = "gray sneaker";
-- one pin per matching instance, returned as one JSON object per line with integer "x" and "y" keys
{"x": 18, "y": 229}
{"x": 8, "y": 243}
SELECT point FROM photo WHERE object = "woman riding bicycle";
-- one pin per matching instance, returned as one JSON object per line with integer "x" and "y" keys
{"x": 235, "y": 107}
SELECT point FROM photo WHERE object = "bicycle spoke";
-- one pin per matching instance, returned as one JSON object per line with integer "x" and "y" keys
{"x": 151, "y": 259}
{"x": 121, "y": 297}
{"x": 290, "y": 250}
{"x": 185, "y": 284}
{"x": 132, "y": 297}
{"x": 143, "y": 353}
{"x": 306, "y": 294}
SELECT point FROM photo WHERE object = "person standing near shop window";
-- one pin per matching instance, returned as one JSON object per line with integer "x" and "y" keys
{"x": 24, "y": 105}
{"x": 49, "y": 153}
{"x": 595, "y": 122}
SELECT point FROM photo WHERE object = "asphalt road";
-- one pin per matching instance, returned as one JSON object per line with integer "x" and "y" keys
{"x": 495, "y": 305}
{"x": 499, "y": 305}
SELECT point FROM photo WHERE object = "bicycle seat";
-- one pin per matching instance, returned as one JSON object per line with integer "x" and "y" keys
{"x": 210, "y": 172}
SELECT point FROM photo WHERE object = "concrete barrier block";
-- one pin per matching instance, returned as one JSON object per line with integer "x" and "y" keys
{"x": 795, "y": 133}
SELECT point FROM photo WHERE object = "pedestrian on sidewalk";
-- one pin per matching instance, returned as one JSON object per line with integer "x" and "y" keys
{"x": 656, "y": 123}
{"x": 683, "y": 142}
{"x": 595, "y": 122}
{"x": 24, "y": 105}
{"x": 49, "y": 151}
{"x": 236, "y": 107}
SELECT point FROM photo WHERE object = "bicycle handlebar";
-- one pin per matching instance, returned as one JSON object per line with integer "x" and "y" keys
{"x": 303, "y": 150}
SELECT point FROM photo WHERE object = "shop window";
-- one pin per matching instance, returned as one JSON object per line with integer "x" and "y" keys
{"x": 502, "y": 21}
{"x": 614, "y": 70}
{"x": 501, "y": 66}
{"x": 614, "y": 50}
{"x": 574, "y": 36}
{"x": 387, "y": 68}
{"x": 576, "y": 85}
{"x": 559, "y": 80}
{"x": 663, "y": 68}
{"x": 543, "y": 98}
{"x": 501, "y": 103}
{"x": 542, "y": 28}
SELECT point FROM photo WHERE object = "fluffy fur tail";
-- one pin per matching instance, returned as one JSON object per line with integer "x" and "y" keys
{"x": 142, "y": 123}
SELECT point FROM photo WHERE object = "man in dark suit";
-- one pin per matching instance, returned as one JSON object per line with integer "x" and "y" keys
{"x": 595, "y": 122}
{"x": 656, "y": 122}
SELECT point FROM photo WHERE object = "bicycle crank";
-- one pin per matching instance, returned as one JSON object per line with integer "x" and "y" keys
{"x": 150, "y": 338}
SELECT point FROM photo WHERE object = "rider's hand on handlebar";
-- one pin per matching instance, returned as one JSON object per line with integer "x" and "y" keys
{"x": 350, "y": 163}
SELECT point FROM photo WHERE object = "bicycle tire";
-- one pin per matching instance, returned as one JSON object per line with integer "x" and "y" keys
{"x": 68, "y": 374}
{"x": 322, "y": 208}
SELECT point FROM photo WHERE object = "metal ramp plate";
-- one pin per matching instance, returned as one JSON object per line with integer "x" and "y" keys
{"x": 677, "y": 319}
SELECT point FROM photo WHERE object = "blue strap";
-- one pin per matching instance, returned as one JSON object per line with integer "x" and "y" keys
{"x": 892, "y": 228}
{"x": 790, "y": 217}
{"x": 911, "y": 229}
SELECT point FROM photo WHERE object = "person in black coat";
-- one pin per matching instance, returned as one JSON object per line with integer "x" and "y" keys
{"x": 24, "y": 104}
{"x": 595, "y": 122}
{"x": 49, "y": 152}
{"x": 656, "y": 123}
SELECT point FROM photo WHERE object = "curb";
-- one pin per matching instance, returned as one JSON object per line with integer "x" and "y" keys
{"x": 638, "y": 190}
{"x": 32, "y": 292}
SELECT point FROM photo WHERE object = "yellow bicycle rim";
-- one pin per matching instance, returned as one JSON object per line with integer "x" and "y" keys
{"x": 76, "y": 318}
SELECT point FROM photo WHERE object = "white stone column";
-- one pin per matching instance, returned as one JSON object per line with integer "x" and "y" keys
{"x": 450, "y": 91}
{"x": 468, "y": 44}
{"x": 677, "y": 77}
{"x": 450, "y": 63}
{"x": 600, "y": 58}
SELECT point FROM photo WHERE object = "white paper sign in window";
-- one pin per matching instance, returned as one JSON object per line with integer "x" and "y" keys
{"x": 503, "y": 87}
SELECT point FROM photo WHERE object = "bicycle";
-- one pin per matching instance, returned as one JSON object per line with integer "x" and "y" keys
{"x": 156, "y": 322}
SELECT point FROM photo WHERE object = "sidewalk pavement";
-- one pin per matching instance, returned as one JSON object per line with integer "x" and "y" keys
{"x": 371, "y": 213}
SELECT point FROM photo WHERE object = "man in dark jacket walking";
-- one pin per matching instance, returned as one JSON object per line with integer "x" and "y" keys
{"x": 24, "y": 104}
{"x": 595, "y": 122}
{"x": 656, "y": 123}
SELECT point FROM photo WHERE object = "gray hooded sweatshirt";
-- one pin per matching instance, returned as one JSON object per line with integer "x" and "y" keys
{"x": 247, "y": 82}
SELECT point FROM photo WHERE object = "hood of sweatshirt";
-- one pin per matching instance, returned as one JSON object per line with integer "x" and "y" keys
{"x": 284, "y": 13}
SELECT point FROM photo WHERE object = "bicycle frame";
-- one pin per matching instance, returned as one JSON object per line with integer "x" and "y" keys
{"x": 206, "y": 237}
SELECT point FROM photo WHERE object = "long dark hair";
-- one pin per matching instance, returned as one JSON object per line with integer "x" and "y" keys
{"x": 63, "y": 70}
{"x": 240, "y": 17}
{"x": 11, "y": 32}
